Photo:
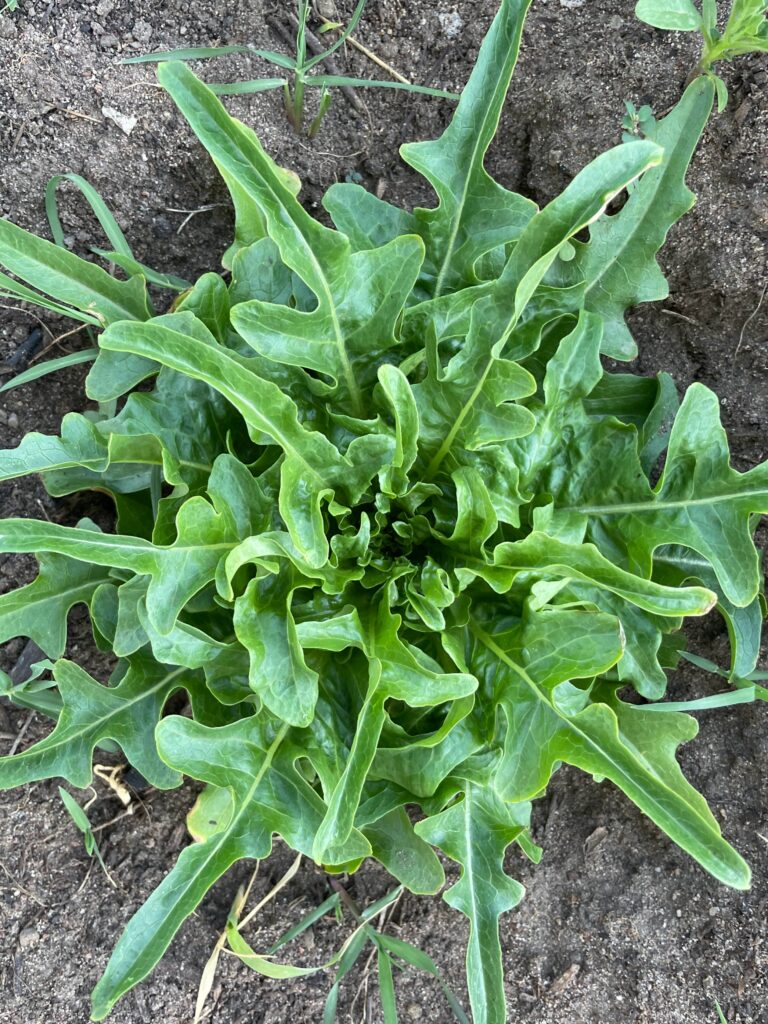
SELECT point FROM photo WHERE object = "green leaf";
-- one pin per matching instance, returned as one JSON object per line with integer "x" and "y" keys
{"x": 40, "y": 609}
{"x": 542, "y": 555}
{"x": 266, "y": 409}
{"x": 396, "y": 671}
{"x": 177, "y": 572}
{"x": 132, "y": 267}
{"x": 69, "y": 279}
{"x": 270, "y": 796}
{"x": 699, "y": 500}
{"x": 476, "y": 832}
{"x": 474, "y": 214}
{"x": 11, "y": 289}
{"x": 404, "y": 407}
{"x": 580, "y": 204}
{"x": 633, "y": 749}
{"x": 278, "y": 672}
{"x": 91, "y": 712}
{"x": 618, "y": 263}
{"x": 677, "y": 15}
{"x": 347, "y": 322}
{"x": 367, "y": 221}
{"x": 406, "y": 856}
{"x": 680, "y": 565}
{"x": 472, "y": 402}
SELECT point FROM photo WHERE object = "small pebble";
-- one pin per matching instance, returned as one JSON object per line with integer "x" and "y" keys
{"x": 13, "y": 420}
{"x": 28, "y": 937}
{"x": 105, "y": 7}
{"x": 451, "y": 23}
{"x": 142, "y": 31}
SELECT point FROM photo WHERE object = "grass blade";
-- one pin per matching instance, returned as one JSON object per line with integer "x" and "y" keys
{"x": 132, "y": 266}
{"x": 10, "y": 289}
{"x": 206, "y": 52}
{"x": 103, "y": 214}
{"x": 386, "y": 986}
{"x": 86, "y": 355}
{"x": 746, "y": 695}
{"x": 417, "y": 958}
{"x": 245, "y": 88}
{"x": 327, "y": 81}
{"x": 343, "y": 36}
{"x": 306, "y": 922}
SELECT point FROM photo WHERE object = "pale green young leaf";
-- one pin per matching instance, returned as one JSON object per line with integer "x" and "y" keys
{"x": 279, "y": 674}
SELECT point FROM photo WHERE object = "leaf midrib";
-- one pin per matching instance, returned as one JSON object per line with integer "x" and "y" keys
{"x": 326, "y": 298}
{"x": 655, "y": 506}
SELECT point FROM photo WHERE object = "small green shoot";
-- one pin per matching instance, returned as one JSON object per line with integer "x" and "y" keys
{"x": 390, "y": 953}
{"x": 80, "y": 818}
{"x": 637, "y": 123}
{"x": 745, "y": 31}
{"x": 299, "y": 67}
{"x": 720, "y": 1015}
{"x": 749, "y": 681}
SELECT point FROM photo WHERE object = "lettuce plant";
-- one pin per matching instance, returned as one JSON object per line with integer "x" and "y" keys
{"x": 385, "y": 519}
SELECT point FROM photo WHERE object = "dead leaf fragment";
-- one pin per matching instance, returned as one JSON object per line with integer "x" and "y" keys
{"x": 125, "y": 122}
{"x": 566, "y": 979}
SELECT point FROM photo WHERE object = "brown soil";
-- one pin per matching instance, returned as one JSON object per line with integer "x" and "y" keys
{"x": 618, "y": 926}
